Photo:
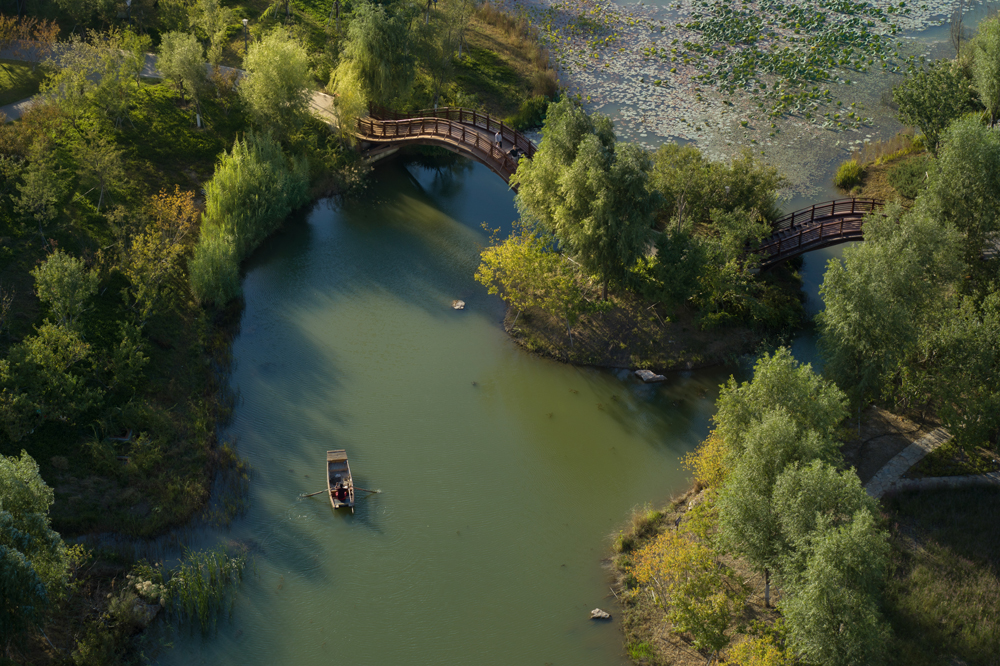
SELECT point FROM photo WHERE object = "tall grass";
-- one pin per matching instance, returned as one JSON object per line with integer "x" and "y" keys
{"x": 879, "y": 152}
{"x": 254, "y": 188}
{"x": 526, "y": 38}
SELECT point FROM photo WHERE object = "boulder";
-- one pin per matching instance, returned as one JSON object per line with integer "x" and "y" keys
{"x": 598, "y": 614}
{"x": 458, "y": 305}
{"x": 649, "y": 376}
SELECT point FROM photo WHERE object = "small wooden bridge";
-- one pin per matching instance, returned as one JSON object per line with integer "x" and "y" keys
{"x": 461, "y": 131}
{"x": 821, "y": 225}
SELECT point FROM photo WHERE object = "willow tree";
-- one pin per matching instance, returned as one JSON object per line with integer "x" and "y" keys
{"x": 592, "y": 194}
{"x": 33, "y": 557}
{"x": 182, "y": 60}
{"x": 276, "y": 88}
{"x": 986, "y": 66}
{"x": 378, "y": 47}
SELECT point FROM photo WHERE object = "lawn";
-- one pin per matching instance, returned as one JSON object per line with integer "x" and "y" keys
{"x": 18, "y": 81}
{"x": 945, "y": 590}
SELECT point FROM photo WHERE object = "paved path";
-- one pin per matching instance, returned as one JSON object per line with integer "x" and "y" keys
{"x": 890, "y": 477}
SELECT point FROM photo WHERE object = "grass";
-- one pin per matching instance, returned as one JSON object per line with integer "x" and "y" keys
{"x": 944, "y": 594}
{"x": 953, "y": 459}
{"x": 849, "y": 175}
{"x": 18, "y": 81}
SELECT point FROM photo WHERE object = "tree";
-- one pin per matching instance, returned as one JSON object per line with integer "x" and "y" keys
{"x": 182, "y": 60}
{"x": 759, "y": 651}
{"x": 254, "y": 188}
{"x": 964, "y": 189}
{"x": 748, "y": 522}
{"x": 377, "y": 45}
{"x": 150, "y": 254}
{"x": 877, "y": 301}
{"x": 689, "y": 585}
{"x": 932, "y": 98}
{"x": 833, "y": 614}
{"x": 779, "y": 382}
{"x": 33, "y": 558}
{"x": 65, "y": 284}
{"x": 99, "y": 164}
{"x": 592, "y": 195}
{"x": 44, "y": 186}
{"x": 986, "y": 66}
{"x": 276, "y": 88}
{"x": 212, "y": 19}
{"x": 809, "y": 499}
{"x": 527, "y": 272}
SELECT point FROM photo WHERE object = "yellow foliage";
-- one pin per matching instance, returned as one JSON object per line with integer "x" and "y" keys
{"x": 708, "y": 462}
{"x": 687, "y": 581}
{"x": 151, "y": 258}
{"x": 759, "y": 652}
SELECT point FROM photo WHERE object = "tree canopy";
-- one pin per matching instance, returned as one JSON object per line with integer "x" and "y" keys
{"x": 277, "y": 84}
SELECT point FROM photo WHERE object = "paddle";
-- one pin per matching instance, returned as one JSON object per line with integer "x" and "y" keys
{"x": 316, "y": 493}
{"x": 366, "y": 490}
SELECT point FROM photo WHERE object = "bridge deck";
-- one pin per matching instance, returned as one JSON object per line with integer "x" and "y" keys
{"x": 814, "y": 228}
{"x": 459, "y": 130}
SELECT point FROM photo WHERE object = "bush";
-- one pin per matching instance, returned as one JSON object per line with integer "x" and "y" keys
{"x": 849, "y": 175}
{"x": 254, "y": 188}
{"x": 531, "y": 114}
{"x": 910, "y": 177}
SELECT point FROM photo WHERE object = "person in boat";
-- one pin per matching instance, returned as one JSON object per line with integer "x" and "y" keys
{"x": 341, "y": 492}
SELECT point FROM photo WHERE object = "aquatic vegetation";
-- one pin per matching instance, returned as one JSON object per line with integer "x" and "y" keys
{"x": 849, "y": 175}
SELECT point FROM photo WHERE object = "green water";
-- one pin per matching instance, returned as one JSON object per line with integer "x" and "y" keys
{"x": 503, "y": 473}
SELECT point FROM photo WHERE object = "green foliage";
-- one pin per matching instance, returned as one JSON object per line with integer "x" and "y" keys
{"x": 833, "y": 614}
{"x": 182, "y": 60}
{"x": 592, "y": 195}
{"x": 964, "y": 189}
{"x": 43, "y": 379}
{"x": 65, "y": 284}
{"x": 101, "y": 73}
{"x": 691, "y": 187}
{"x": 881, "y": 296}
{"x": 849, "y": 175}
{"x": 33, "y": 558}
{"x": 254, "y": 188}
{"x": 43, "y": 185}
{"x": 779, "y": 383}
{"x": 377, "y": 45}
{"x": 910, "y": 177}
{"x": 276, "y": 88}
{"x": 527, "y": 272}
{"x": 748, "y": 520}
{"x": 932, "y": 98}
{"x": 200, "y": 588}
{"x": 531, "y": 113}
{"x": 986, "y": 66}
{"x": 212, "y": 21}
{"x": 809, "y": 499}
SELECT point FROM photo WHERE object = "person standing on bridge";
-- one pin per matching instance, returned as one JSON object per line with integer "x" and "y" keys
{"x": 498, "y": 139}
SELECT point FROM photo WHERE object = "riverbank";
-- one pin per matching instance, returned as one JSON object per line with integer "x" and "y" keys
{"x": 944, "y": 548}
{"x": 637, "y": 334}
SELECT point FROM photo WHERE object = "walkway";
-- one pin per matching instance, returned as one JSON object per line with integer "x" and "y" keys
{"x": 890, "y": 479}
{"x": 462, "y": 131}
{"x": 816, "y": 227}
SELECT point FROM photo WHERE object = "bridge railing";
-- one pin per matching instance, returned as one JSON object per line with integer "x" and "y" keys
{"x": 827, "y": 209}
{"x": 466, "y": 117}
{"x": 449, "y": 131}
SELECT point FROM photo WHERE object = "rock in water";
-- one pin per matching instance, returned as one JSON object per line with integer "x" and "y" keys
{"x": 598, "y": 614}
{"x": 458, "y": 305}
{"x": 649, "y": 376}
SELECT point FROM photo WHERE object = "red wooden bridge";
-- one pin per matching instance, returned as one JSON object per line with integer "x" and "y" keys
{"x": 461, "y": 131}
{"x": 816, "y": 227}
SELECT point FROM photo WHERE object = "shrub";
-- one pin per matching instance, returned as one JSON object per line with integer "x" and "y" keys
{"x": 849, "y": 175}
{"x": 910, "y": 177}
{"x": 254, "y": 188}
{"x": 531, "y": 114}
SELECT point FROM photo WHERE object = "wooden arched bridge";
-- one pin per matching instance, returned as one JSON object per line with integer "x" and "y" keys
{"x": 473, "y": 134}
{"x": 461, "y": 131}
{"x": 821, "y": 225}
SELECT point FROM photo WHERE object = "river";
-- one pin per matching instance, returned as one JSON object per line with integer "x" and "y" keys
{"x": 503, "y": 474}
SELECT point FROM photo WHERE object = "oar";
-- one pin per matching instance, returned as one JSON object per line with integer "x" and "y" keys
{"x": 366, "y": 490}
{"x": 316, "y": 493}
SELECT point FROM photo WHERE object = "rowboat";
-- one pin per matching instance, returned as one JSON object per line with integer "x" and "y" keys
{"x": 338, "y": 472}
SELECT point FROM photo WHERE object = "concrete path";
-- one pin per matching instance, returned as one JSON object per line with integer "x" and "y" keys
{"x": 890, "y": 477}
